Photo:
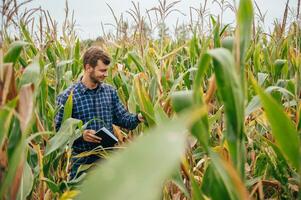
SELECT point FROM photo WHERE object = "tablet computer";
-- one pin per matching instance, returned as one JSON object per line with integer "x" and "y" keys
{"x": 108, "y": 139}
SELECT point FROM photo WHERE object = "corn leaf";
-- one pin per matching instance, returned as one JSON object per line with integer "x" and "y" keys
{"x": 285, "y": 133}
{"x": 127, "y": 171}
{"x": 14, "y": 51}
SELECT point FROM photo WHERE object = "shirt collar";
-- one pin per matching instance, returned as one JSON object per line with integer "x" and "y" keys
{"x": 84, "y": 89}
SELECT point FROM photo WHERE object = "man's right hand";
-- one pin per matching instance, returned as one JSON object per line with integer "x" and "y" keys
{"x": 89, "y": 136}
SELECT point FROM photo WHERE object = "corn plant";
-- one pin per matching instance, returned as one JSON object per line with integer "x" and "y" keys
{"x": 222, "y": 108}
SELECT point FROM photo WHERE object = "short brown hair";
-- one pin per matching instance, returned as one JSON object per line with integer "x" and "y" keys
{"x": 93, "y": 54}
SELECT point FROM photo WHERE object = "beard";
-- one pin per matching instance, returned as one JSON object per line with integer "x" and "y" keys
{"x": 94, "y": 78}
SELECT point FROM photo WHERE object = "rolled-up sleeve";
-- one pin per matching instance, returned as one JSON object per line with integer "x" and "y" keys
{"x": 121, "y": 117}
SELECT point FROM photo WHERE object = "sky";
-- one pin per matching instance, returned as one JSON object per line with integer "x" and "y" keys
{"x": 90, "y": 13}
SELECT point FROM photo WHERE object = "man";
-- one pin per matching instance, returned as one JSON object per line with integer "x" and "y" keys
{"x": 92, "y": 100}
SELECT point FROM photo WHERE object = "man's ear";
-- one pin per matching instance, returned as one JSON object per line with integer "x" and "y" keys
{"x": 88, "y": 68}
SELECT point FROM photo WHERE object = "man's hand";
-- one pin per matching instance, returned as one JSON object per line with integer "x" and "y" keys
{"x": 140, "y": 117}
{"x": 89, "y": 136}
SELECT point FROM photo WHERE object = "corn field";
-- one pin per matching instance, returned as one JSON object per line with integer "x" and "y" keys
{"x": 221, "y": 102}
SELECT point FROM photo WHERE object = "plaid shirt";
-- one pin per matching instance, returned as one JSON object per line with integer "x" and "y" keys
{"x": 100, "y": 103}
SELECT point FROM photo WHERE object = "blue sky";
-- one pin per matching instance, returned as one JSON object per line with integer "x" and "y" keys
{"x": 90, "y": 13}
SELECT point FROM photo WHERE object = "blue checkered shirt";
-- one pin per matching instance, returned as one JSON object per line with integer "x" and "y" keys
{"x": 101, "y": 103}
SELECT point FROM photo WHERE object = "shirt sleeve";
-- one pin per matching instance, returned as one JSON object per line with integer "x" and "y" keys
{"x": 121, "y": 117}
{"x": 60, "y": 102}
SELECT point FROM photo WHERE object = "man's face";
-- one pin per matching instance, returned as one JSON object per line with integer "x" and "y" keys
{"x": 99, "y": 73}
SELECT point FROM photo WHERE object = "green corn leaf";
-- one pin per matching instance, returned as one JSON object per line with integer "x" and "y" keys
{"x": 63, "y": 136}
{"x": 143, "y": 100}
{"x": 285, "y": 133}
{"x": 194, "y": 49}
{"x": 52, "y": 185}
{"x": 181, "y": 77}
{"x": 244, "y": 23}
{"x": 196, "y": 191}
{"x": 182, "y": 100}
{"x": 299, "y": 122}
{"x": 14, "y": 51}
{"x": 216, "y": 32}
{"x": 257, "y": 59}
{"x": 224, "y": 29}
{"x": 28, "y": 38}
{"x": 160, "y": 114}
{"x": 245, "y": 20}
{"x": 203, "y": 65}
{"x": 178, "y": 180}
{"x": 254, "y": 104}
{"x": 228, "y": 43}
{"x": 76, "y": 66}
{"x": 31, "y": 73}
{"x": 15, "y": 158}
{"x": 6, "y": 115}
{"x": 26, "y": 182}
{"x": 134, "y": 57}
{"x": 128, "y": 171}
{"x": 213, "y": 186}
{"x": 51, "y": 56}
{"x": 68, "y": 107}
{"x": 278, "y": 66}
{"x": 230, "y": 177}
{"x": 229, "y": 88}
